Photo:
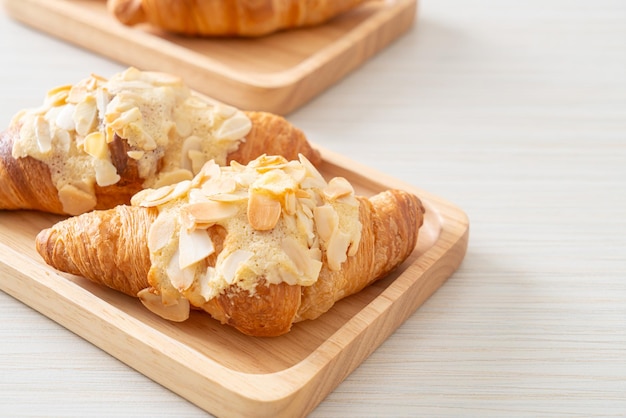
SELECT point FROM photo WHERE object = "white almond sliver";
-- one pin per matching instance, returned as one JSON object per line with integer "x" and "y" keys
{"x": 178, "y": 312}
{"x": 307, "y": 267}
{"x": 234, "y": 128}
{"x": 96, "y": 146}
{"x": 210, "y": 211}
{"x": 338, "y": 187}
{"x": 181, "y": 279}
{"x": 194, "y": 246}
{"x": 326, "y": 221}
{"x": 106, "y": 173}
{"x": 42, "y": 132}
{"x": 336, "y": 250}
{"x": 64, "y": 119}
{"x": 160, "y": 233}
{"x": 232, "y": 262}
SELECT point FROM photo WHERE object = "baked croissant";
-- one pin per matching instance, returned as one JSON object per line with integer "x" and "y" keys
{"x": 228, "y": 17}
{"x": 258, "y": 247}
{"x": 96, "y": 143}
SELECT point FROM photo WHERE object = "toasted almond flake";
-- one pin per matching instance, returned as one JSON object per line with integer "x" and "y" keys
{"x": 178, "y": 312}
{"x": 338, "y": 187}
{"x": 125, "y": 118}
{"x": 193, "y": 143}
{"x": 306, "y": 266}
{"x": 234, "y": 128}
{"x": 263, "y": 211}
{"x": 58, "y": 95}
{"x": 229, "y": 197}
{"x": 208, "y": 289}
{"x": 224, "y": 111}
{"x": 77, "y": 93}
{"x": 305, "y": 226}
{"x": 230, "y": 265}
{"x": 275, "y": 182}
{"x": 96, "y": 146}
{"x": 42, "y": 133}
{"x": 85, "y": 115}
{"x": 64, "y": 119}
{"x": 153, "y": 197}
{"x": 76, "y": 201}
{"x": 106, "y": 173}
{"x": 197, "y": 158}
{"x": 209, "y": 212}
{"x": 219, "y": 186}
{"x": 326, "y": 221}
{"x": 291, "y": 203}
{"x": 135, "y": 154}
{"x": 180, "y": 278}
{"x": 336, "y": 250}
{"x": 194, "y": 246}
{"x": 173, "y": 177}
{"x": 160, "y": 233}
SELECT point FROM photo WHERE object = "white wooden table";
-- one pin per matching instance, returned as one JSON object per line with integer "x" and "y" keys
{"x": 516, "y": 112}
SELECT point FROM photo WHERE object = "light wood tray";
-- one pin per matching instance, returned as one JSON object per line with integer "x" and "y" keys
{"x": 214, "y": 366}
{"x": 277, "y": 73}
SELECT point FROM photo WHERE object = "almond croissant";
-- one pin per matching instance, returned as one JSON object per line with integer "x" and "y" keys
{"x": 228, "y": 17}
{"x": 94, "y": 144}
{"x": 259, "y": 247}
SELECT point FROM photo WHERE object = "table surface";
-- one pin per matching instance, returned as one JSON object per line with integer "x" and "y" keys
{"x": 513, "y": 110}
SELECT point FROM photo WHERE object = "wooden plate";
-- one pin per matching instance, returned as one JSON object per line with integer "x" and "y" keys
{"x": 277, "y": 73}
{"x": 214, "y": 366}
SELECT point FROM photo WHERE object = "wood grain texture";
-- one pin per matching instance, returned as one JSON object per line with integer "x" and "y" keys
{"x": 515, "y": 112}
{"x": 276, "y": 73}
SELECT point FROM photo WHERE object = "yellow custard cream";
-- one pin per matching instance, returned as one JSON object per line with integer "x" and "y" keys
{"x": 281, "y": 218}
{"x": 169, "y": 131}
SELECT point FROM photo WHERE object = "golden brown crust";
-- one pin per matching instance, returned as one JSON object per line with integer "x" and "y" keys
{"x": 228, "y": 17}
{"x": 88, "y": 245}
{"x": 26, "y": 182}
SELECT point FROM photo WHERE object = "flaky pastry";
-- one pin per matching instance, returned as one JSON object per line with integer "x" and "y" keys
{"x": 249, "y": 18}
{"x": 259, "y": 246}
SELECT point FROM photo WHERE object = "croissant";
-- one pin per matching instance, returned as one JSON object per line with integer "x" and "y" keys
{"x": 258, "y": 247}
{"x": 228, "y": 17}
{"x": 95, "y": 144}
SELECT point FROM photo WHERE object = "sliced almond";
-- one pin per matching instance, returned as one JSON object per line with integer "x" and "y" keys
{"x": 178, "y": 312}
{"x": 263, "y": 211}
{"x": 42, "y": 133}
{"x": 180, "y": 278}
{"x": 135, "y": 154}
{"x": 209, "y": 212}
{"x": 160, "y": 233}
{"x": 194, "y": 246}
{"x": 291, "y": 203}
{"x": 95, "y": 145}
{"x": 167, "y": 178}
{"x": 224, "y": 111}
{"x": 336, "y": 250}
{"x": 76, "y": 201}
{"x": 106, "y": 173}
{"x": 338, "y": 187}
{"x": 326, "y": 221}
{"x": 193, "y": 143}
{"x": 307, "y": 267}
{"x": 85, "y": 115}
{"x": 234, "y": 128}
{"x": 230, "y": 265}
{"x": 64, "y": 119}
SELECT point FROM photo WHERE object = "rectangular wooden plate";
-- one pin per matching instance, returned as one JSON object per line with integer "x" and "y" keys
{"x": 276, "y": 73}
{"x": 215, "y": 367}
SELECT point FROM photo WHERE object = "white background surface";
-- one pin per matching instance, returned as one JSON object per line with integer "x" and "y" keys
{"x": 513, "y": 110}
